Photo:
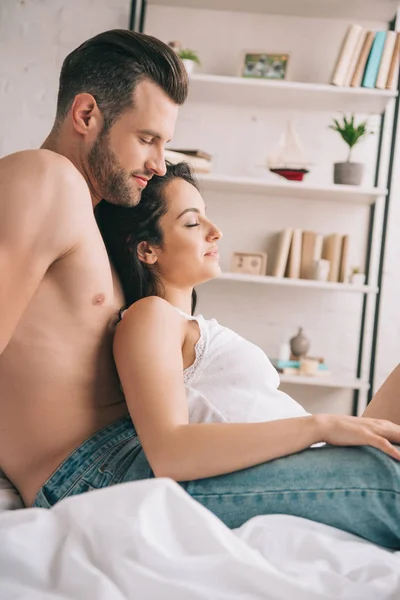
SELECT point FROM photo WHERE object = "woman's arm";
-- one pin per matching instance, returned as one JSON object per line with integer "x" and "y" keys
{"x": 148, "y": 354}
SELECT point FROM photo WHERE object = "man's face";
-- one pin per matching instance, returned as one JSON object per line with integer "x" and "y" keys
{"x": 123, "y": 159}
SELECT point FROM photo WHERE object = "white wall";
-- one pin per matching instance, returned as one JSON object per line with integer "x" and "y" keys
{"x": 35, "y": 36}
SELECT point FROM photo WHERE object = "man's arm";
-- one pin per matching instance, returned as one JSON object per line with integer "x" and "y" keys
{"x": 37, "y": 191}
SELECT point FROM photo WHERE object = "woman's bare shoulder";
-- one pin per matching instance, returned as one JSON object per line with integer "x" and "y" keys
{"x": 150, "y": 315}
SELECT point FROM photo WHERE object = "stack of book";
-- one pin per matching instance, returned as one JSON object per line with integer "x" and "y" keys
{"x": 298, "y": 251}
{"x": 199, "y": 160}
{"x": 293, "y": 367}
{"x": 368, "y": 59}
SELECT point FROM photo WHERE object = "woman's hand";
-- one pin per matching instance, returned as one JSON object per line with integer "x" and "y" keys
{"x": 343, "y": 430}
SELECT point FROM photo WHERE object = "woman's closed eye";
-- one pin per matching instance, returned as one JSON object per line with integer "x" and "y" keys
{"x": 192, "y": 224}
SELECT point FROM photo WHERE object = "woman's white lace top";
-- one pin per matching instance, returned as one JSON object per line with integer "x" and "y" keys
{"x": 233, "y": 380}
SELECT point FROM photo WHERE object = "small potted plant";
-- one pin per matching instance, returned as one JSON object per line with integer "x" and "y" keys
{"x": 349, "y": 173}
{"x": 357, "y": 278}
{"x": 189, "y": 59}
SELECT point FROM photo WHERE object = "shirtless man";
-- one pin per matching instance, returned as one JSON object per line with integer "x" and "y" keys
{"x": 117, "y": 105}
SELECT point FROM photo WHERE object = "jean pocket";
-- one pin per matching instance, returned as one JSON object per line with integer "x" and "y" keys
{"x": 120, "y": 459}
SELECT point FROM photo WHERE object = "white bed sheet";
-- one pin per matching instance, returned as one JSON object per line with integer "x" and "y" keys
{"x": 150, "y": 540}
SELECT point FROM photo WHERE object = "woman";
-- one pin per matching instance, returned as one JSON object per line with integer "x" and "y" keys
{"x": 204, "y": 401}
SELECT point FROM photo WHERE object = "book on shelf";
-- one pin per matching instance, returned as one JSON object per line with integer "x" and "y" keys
{"x": 282, "y": 253}
{"x": 386, "y": 59}
{"x": 195, "y": 152}
{"x": 344, "y": 260}
{"x": 293, "y": 367}
{"x": 311, "y": 251}
{"x": 368, "y": 59}
{"x": 361, "y": 37}
{"x": 347, "y": 50}
{"x": 332, "y": 251}
{"x": 374, "y": 60}
{"x": 391, "y": 82}
{"x": 361, "y": 62}
{"x": 294, "y": 259}
{"x": 199, "y": 164}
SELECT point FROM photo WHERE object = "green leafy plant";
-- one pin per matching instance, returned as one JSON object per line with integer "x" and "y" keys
{"x": 188, "y": 54}
{"x": 350, "y": 133}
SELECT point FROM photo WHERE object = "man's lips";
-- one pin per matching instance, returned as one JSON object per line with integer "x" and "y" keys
{"x": 141, "y": 180}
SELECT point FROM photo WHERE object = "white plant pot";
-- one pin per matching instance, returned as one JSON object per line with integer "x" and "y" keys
{"x": 189, "y": 65}
{"x": 357, "y": 279}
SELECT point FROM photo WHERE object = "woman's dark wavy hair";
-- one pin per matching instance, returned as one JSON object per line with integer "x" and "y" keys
{"x": 123, "y": 229}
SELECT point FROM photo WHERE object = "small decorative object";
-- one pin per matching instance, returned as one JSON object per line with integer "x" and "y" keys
{"x": 261, "y": 65}
{"x": 284, "y": 351}
{"x": 349, "y": 173}
{"x": 249, "y": 263}
{"x": 357, "y": 278}
{"x": 309, "y": 366}
{"x": 321, "y": 269}
{"x": 288, "y": 160}
{"x": 189, "y": 58}
{"x": 299, "y": 344}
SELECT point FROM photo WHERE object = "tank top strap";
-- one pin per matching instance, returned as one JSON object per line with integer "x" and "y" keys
{"x": 185, "y": 315}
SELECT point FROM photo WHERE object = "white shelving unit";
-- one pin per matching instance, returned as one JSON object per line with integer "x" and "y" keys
{"x": 299, "y": 283}
{"x": 325, "y": 381}
{"x": 366, "y": 208}
{"x": 338, "y": 9}
{"x": 290, "y": 189}
{"x": 286, "y": 95}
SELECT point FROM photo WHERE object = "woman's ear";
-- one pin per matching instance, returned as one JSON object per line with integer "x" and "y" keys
{"x": 146, "y": 253}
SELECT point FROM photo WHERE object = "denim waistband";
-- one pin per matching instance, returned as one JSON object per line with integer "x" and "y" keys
{"x": 84, "y": 456}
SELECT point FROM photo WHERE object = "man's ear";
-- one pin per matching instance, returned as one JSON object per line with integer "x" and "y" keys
{"x": 146, "y": 253}
{"x": 85, "y": 114}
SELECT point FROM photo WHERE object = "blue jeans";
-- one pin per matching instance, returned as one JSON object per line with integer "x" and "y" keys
{"x": 356, "y": 489}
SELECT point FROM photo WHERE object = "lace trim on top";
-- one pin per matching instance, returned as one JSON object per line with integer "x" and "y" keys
{"x": 199, "y": 349}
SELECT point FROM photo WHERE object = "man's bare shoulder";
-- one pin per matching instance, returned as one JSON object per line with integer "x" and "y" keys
{"x": 43, "y": 172}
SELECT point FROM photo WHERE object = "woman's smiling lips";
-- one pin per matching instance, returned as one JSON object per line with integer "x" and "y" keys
{"x": 213, "y": 253}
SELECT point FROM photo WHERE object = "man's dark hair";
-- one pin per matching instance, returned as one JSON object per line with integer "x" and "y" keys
{"x": 124, "y": 228}
{"x": 110, "y": 65}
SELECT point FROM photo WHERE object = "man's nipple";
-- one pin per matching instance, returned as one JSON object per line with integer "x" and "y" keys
{"x": 98, "y": 299}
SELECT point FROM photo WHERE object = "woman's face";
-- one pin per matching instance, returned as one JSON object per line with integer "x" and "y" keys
{"x": 189, "y": 254}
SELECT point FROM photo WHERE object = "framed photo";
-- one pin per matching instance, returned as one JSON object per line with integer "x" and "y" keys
{"x": 261, "y": 65}
{"x": 249, "y": 263}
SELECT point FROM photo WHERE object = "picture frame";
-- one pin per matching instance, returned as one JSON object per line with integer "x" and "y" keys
{"x": 264, "y": 65}
{"x": 249, "y": 263}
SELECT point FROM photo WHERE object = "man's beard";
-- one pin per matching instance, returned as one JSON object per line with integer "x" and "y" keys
{"x": 113, "y": 182}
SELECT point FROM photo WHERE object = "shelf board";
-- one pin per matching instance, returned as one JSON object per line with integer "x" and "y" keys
{"x": 325, "y": 381}
{"x": 291, "y": 189}
{"x": 300, "y": 283}
{"x": 284, "y": 95}
{"x": 381, "y": 10}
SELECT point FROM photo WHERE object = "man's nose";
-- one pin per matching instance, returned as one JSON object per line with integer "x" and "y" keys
{"x": 156, "y": 164}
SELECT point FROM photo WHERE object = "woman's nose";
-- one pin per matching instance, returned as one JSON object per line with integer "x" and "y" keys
{"x": 215, "y": 233}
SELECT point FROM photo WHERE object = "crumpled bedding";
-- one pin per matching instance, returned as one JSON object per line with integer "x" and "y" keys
{"x": 149, "y": 540}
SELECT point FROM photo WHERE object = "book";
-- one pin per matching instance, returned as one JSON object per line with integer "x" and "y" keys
{"x": 355, "y": 56}
{"x": 332, "y": 251}
{"x": 362, "y": 59}
{"x": 374, "y": 60}
{"x": 345, "y": 55}
{"x": 386, "y": 60}
{"x": 391, "y": 82}
{"x": 311, "y": 251}
{"x": 199, "y": 165}
{"x": 344, "y": 260}
{"x": 198, "y": 153}
{"x": 282, "y": 254}
{"x": 293, "y": 266}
